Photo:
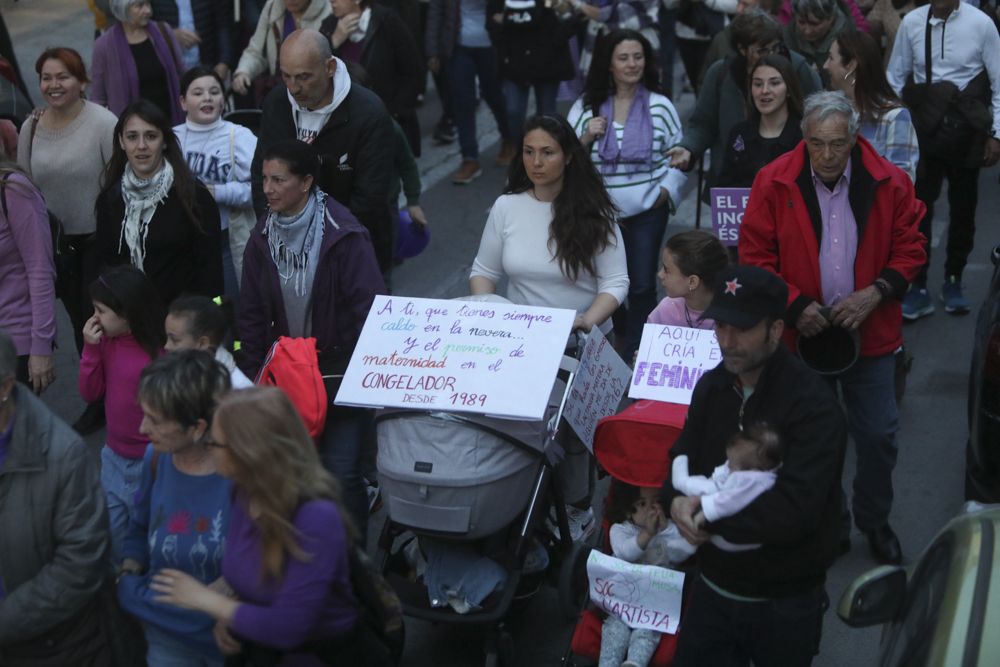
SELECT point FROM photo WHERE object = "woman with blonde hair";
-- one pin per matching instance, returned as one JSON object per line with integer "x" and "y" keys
{"x": 287, "y": 548}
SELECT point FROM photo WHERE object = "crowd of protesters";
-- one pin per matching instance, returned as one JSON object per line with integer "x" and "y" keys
{"x": 212, "y": 530}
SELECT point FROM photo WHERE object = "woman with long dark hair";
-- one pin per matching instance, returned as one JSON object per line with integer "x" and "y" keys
{"x": 773, "y": 127}
{"x": 628, "y": 126}
{"x": 153, "y": 214}
{"x": 553, "y": 235}
{"x": 855, "y": 67}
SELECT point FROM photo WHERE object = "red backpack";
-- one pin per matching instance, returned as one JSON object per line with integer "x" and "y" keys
{"x": 292, "y": 366}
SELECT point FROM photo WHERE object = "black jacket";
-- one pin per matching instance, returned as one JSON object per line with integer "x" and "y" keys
{"x": 532, "y": 45}
{"x": 747, "y": 152}
{"x": 393, "y": 65}
{"x": 213, "y": 21}
{"x": 180, "y": 257}
{"x": 797, "y": 521}
{"x": 390, "y": 57}
{"x": 356, "y": 149}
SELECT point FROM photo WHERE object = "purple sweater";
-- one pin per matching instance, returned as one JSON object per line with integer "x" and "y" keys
{"x": 114, "y": 78}
{"x": 27, "y": 272}
{"x": 110, "y": 370}
{"x": 312, "y": 602}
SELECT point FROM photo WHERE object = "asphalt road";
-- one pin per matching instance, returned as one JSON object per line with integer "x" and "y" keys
{"x": 928, "y": 478}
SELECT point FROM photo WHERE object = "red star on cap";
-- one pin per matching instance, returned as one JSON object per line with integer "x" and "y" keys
{"x": 732, "y": 286}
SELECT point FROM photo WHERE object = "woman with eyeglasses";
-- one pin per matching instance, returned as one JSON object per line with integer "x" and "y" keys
{"x": 773, "y": 127}
{"x": 182, "y": 506}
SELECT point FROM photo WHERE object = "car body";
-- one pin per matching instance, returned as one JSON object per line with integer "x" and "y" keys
{"x": 982, "y": 460}
{"x": 944, "y": 609}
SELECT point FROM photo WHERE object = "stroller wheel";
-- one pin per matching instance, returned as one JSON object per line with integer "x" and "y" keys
{"x": 500, "y": 650}
{"x": 573, "y": 587}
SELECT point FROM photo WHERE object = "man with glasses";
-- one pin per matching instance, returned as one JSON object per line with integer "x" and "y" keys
{"x": 840, "y": 224}
{"x": 763, "y": 605}
{"x": 817, "y": 23}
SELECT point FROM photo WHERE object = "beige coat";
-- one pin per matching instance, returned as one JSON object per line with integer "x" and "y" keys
{"x": 261, "y": 54}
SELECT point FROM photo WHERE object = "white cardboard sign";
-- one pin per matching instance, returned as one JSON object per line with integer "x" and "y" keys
{"x": 643, "y": 596}
{"x": 598, "y": 387}
{"x": 670, "y": 362}
{"x": 458, "y": 356}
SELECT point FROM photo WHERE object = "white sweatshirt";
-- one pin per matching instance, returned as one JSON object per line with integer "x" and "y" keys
{"x": 666, "y": 549}
{"x": 211, "y": 151}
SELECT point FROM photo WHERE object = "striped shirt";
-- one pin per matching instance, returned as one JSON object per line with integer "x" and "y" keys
{"x": 893, "y": 137}
{"x": 636, "y": 192}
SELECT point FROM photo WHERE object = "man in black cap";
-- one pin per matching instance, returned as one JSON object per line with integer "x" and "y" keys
{"x": 763, "y": 605}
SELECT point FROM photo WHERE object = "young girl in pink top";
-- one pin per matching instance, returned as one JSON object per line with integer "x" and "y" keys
{"x": 124, "y": 334}
{"x": 692, "y": 261}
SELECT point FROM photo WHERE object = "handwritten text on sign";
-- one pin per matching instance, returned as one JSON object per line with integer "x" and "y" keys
{"x": 670, "y": 362}
{"x": 728, "y": 205}
{"x": 598, "y": 387}
{"x": 461, "y": 356}
{"x": 643, "y": 596}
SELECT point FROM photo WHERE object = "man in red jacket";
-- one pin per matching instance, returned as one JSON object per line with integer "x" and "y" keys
{"x": 840, "y": 225}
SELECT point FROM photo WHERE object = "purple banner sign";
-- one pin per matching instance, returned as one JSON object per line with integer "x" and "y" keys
{"x": 728, "y": 205}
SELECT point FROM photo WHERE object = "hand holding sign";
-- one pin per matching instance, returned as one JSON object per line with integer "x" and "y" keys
{"x": 488, "y": 358}
{"x": 670, "y": 362}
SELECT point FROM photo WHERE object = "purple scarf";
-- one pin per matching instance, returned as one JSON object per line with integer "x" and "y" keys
{"x": 128, "y": 73}
{"x": 636, "y": 150}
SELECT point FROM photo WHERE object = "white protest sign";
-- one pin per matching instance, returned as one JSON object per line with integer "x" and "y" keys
{"x": 643, "y": 596}
{"x": 597, "y": 388}
{"x": 460, "y": 356}
{"x": 670, "y": 362}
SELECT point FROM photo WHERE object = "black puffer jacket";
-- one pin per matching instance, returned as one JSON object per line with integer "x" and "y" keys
{"x": 532, "y": 44}
{"x": 213, "y": 21}
{"x": 797, "y": 521}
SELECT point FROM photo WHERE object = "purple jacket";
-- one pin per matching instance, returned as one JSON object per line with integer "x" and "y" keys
{"x": 347, "y": 280}
{"x": 114, "y": 78}
{"x": 27, "y": 272}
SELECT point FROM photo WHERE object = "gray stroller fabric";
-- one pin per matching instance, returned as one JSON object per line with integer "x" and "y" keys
{"x": 441, "y": 472}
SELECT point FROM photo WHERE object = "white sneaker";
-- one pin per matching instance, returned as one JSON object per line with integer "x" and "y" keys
{"x": 581, "y": 523}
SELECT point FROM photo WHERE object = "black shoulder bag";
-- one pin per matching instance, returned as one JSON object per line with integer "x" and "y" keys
{"x": 952, "y": 125}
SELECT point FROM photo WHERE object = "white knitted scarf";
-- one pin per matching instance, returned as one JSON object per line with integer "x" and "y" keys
{"x": 142, "y": 196}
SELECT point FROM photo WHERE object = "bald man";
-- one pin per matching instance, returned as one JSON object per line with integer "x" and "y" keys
{"x": 348, "y": 125}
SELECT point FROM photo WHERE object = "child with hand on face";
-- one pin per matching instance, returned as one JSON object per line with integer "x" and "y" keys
{"x": 640, "y": 533}
{"x": 753, "y": 457}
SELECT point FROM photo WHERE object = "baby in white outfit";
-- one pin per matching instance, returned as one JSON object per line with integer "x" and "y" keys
{"x": 753, "y": 457}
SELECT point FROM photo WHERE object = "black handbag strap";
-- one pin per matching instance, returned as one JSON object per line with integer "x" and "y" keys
{"x": 927, "y": 46}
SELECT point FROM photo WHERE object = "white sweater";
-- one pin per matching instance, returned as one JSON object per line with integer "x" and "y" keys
{"x": 667, "y": 548}
{"x": 637, "y": 192}
{"x": 515, "y": 244}
{"x": 207, "y": 149}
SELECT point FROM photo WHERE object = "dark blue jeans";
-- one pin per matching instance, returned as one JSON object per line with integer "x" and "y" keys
{"x": 643, "y": 235}
{"x": 464, "y": 67}
{"x": 717, "y": 631}
{"x": 340, "y": 449}
{"x": 869, "y": 392}
{"x": 516, "y": 96}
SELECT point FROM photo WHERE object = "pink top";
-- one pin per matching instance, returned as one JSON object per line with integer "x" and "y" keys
{"x": 111, "y": 370}
{"x": 838, "y": 246}
{"x": 672, "y": 311}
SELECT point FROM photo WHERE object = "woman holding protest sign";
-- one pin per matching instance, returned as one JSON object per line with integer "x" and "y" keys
{"x": 772, "y": 128}
{"x": 309, "y": 270}
{"x": 553, "y": 235}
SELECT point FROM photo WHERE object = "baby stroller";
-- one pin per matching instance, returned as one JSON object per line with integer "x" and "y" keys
{"x": 473, "y": 481}
{"x": 632, "y": 446}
